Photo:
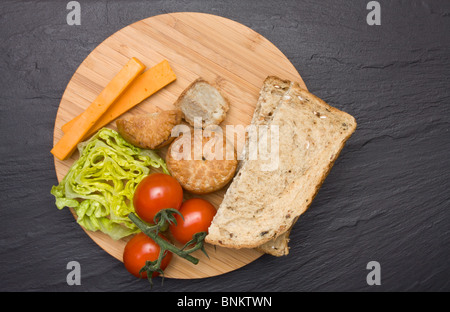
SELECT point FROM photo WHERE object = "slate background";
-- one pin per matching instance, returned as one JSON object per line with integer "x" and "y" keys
{"x": 387, "y": 198}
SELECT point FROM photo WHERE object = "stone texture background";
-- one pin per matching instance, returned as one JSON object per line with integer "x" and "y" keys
{"x": 387, "y": 198}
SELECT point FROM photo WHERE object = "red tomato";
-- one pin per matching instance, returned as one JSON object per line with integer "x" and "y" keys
{"x": 198, "y": 215}
{"x": 155, "y": 192}
{"x": 142, "y": 248}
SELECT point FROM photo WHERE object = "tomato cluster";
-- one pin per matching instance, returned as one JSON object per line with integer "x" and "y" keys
{"x": 154, "y": 193}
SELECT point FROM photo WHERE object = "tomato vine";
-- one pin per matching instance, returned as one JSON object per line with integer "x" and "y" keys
{"x": 161, "y": 219}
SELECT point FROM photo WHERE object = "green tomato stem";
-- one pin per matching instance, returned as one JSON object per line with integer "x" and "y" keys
{"x": 164, "y": 245}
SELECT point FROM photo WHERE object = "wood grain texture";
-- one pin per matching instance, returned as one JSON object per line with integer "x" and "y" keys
{"x": 224, "y": 52}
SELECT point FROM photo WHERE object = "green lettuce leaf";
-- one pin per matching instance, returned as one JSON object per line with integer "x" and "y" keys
{"x": 100, "y": 184}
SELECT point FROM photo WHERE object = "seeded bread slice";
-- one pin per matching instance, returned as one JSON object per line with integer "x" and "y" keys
{"x": 271, "y": 94}
{"x": 260, "y": 205}
{"x": 202, "y": 99}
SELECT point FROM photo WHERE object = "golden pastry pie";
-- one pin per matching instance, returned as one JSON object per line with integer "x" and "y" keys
{"x": 202, "y": 164}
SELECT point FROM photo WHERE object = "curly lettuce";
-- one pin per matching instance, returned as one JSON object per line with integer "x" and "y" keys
{"x": 100, "y": 184}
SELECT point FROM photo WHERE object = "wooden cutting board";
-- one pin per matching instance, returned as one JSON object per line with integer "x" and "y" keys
{"x": 224, "y": 52}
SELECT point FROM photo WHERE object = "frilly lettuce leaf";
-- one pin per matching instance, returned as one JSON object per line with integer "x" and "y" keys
{"x": 100, "y": 184}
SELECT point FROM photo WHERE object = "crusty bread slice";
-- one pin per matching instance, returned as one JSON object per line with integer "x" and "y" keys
{"x": 202, "y": 99}
{"x": 260, "y": 205}
{"x": 271, "y": 94}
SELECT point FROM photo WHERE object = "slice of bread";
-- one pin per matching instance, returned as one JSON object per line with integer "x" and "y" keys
{"x": 201, "y": 99}
{"x": 272, "y": 92}
{"x": 261, "y": 206}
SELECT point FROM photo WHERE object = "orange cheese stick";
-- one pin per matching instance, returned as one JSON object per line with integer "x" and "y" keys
{"x": 68, "y": 143}
{"x": 148, "y": 83}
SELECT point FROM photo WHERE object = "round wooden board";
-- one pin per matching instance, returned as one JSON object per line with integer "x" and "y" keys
{"x": 226, "y": 53}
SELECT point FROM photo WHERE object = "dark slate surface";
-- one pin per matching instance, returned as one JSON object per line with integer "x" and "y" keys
{"x": 387, "y": 198}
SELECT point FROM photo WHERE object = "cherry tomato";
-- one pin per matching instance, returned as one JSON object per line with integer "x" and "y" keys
{"x": 140, "y": 249}
{"x": 198, "y": 215}
{"x": 155, "y": 192}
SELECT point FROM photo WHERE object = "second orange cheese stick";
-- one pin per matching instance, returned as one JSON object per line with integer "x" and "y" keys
{"x": 68, "y": 143}
{"x": 146, "y": 84}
